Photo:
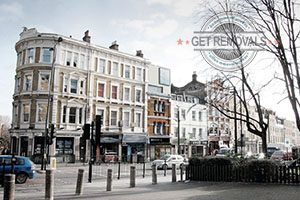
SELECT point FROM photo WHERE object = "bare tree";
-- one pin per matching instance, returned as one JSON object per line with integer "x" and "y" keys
{"x": 4, "y": 129}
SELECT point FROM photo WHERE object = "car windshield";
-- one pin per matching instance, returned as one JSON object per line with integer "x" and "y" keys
{"x": 278, "y": 153}
{"x": 165, "y": 157}
{"x": 223, "y": 151}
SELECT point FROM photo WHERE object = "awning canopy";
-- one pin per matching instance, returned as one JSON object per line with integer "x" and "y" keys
{"x": 134, "y": 138}
{"x": 109, "y": 140}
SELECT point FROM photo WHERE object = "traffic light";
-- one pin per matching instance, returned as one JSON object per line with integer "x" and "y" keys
{"x": 52, "y": 134}
{"x": 98, "y": 128}
{"x": 86, "y": 131}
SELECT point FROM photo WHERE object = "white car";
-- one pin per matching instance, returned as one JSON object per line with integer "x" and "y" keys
{"x": 167, "y": 161}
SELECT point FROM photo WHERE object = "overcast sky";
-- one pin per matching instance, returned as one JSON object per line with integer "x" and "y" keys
{"x": 154, "y": 26}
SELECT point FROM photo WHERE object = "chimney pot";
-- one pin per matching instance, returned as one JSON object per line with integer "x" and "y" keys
{"x": 139, "y": 53}
{"x": 194, "y": 76}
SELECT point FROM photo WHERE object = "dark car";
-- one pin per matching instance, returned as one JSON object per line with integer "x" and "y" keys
{"x": 278, "y": 155}
{"x": 24, "y": 168}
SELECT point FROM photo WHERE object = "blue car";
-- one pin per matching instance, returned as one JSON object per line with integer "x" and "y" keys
{"x": 24, "y": 168}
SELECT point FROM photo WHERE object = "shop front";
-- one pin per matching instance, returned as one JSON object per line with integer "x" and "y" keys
{"x": 133, "y": 148}
{"x": 64, "y": 150}
{"x": 109, "y": 149}
{"x": 213, "y": 144}
{"x": 197, "y": 149}
{"x": 158, "y": 147}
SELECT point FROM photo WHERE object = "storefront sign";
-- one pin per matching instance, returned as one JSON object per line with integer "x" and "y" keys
{"x": 159, "y": 140}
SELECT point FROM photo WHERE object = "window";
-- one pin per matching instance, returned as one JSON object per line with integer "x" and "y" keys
{"x": 75, "y": 60}
{"x": 74, "y": 86}
{"x": 139, "y": 74}
{"x": 81, "y": 91}
{"x": 101, "y": 66}
{"x": 154, "y": 127}
{"x": 200, "y": 133}
{"x": 115, "y": 70}
{"x": 80, "y": 115}
{"x": 69, "y": 57}
{"x": 200, "y": 116}
{"x": 210, "y": 110}
{"x": 127, "y": 94}
{"x": 176, "y": 113}
{"x": 194, "y": 115}
{"x": 101, "y": 112}
{"x": 64, "y": 114}
{"x": 155, "y": 89}
{"x": 64, "y": 145}
{"x": 114, "y": 92}
{"x": 127, "y": 71}
{"x": 183, "y": 132}
{"x": 72, "y": 115}
{"x": 113, "y": 118}
{"x": 100, "y": 90}
{"x": 158, "y": 128}
{"x": 26, "y": 111}
{"x": 163, "y": 107}
{"x": 194, "y": 133}
{"x": 164, "y": 129}
{"x": 155, "y": 106}
{"x": 20, "y": 58}
{"x": 18, "y": 84}
{"x": 42, "y": 111}
{"x": 164, "y": 76}
{"x": 30, "y": 53}
{"x": 46, "y": 55}
{"x": 28, "y": 82}
{"x": 82, "y": 61}
{"x": 183, "y": 114}
{"x": 138, "y": 95}
{"x": 138, "y": 120}
{"x": 44, "y": 81}
{"x": 15, "y": 116}
{"x": 66, "y": 83}
{"x": 126, "y": 119}
{"x": 175, "y": 131}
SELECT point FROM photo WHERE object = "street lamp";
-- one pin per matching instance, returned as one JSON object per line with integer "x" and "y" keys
{"x": 45, "y": 149}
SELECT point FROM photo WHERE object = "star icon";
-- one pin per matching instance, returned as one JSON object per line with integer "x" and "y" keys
{"x": 179, "y": 41}
{"x": 270, "y": 42}
{"x": 277, "y": 42}
{"x": 187, "y": 42}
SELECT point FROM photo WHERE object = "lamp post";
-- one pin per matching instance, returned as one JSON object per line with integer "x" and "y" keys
{"x": 45, "y": 149}
{"x": 178, "y": 130}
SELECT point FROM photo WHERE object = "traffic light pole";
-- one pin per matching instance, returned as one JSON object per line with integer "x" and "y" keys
{"x": 91, "y": 154}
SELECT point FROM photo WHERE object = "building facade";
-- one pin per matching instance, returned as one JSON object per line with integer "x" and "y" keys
{"x": 88, "y": 80}
{"x": 159, "y": 112}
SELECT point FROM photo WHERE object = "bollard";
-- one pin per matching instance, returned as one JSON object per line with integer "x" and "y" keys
{"x": 154, "y": 175}
{"x": 119, "y": 169}
{"x": 132, "y": 176}
{"x": 144, "y": 168}
{"x": 109, "y": 180}
{"x": 181, "y": 172}
{"x": 165, "y": 168}
{"x": 49, "y": 191}
{"x": 9, "y": 187}
{"x": 173, "y": 172}
{"x": 80, "y": 180}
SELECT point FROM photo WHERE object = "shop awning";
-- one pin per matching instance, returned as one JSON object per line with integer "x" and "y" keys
{"x": 134, "y": 138}
{"x": 109, "y": 140}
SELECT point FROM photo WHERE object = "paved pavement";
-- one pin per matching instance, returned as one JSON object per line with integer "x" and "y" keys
{"x": 165, "y": 189}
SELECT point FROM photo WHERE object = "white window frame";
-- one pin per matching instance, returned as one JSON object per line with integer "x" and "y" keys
{"x": 27, "y": 56}
{"x": 42, "y": 54}
{"x": 125, "y": 71}
{"x": 37, "y": 111}
{"x": 20, "y": 58}
{"x": 141, "y": 96}
{"x": 136, "y": 72}
{"x": 40, "y": 79}
{"x": 117, "y": 85}
{"x": 99, "y": 64}
{"x": 77, "y": 86}
{"x": 113, "y": 110}
{"x": 104, "y": 91}
{"x": 194, "y": 116}
{"x": 141, "y": 119}
{"x": 18, "y": 84}
{"x": 112, "y": 70}
{"x": 124, "y": 99}
{"x": 77, "y": 60}
{"x": 15, "y": 113}
{"x": 71, "y": 58}
{"x": 200, "y": 116}
{"x": 24, "y": 81}
{"x": 129, "y": 118}
{"x": 22, "y": 112}
{"x": 82, "y": 61}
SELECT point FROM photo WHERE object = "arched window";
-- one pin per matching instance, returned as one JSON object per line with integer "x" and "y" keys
{"x": 163, "y": 107}
{"x": 158, "y": 128}
{"x": 164, "y": 129}
{"x": 159, "y": 106}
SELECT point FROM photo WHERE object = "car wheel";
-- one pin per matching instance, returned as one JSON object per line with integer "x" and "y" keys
{"x": 21, "y": 178}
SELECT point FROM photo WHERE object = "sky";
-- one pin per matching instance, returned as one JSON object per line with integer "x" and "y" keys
{"x": 153, "y": 26}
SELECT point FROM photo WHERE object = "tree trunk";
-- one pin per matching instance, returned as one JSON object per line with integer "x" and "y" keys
{"x": 264, "y": 144}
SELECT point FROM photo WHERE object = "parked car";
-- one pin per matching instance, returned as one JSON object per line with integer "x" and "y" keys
{"x": 278, "y": 155}
{"x": 24, "y": 168}
{"x": 166, "y": 161}
{"x": 224, "y": 152}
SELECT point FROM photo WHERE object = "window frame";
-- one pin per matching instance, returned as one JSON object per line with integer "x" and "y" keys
{"x": 129, "y": 93}
{"x": 104, "y": 89}
{"x": 43, "y": 55}
{"x": 113, "y": 69}
{"x": 110, "y": 117}
{"x": 111, "y": 92}
{"x": 23, "y": 109}
{"x": 28, "y": 60}
{"x": 24, "y": 80}
{"x": 101, "y": 67}
{"x": 40, "y": 79}
{"x": 126, "y": 67}
{"x": 37, "y": 112}
{"x": 129, "y": 118}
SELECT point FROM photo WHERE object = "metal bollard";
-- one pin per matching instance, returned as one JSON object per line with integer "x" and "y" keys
{"x": 119, "y": 169}
{"x": 9, "y": 187}
{"x": 154, "y": 175}
{"x": 132, "y": 176}
{"x": 109, "y": 180}
{"x": 165, "y": 168}
{"x": 173, "y": 172}
{"x": 144, "y": 167}
{"x": 49, "y": 191}
{"x": 80, "y": 180}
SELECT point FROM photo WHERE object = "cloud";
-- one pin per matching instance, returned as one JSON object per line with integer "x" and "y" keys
{"x": 11, "y": 11}
{"x": 162, "y": 30}
{"x": 163, "y": 2}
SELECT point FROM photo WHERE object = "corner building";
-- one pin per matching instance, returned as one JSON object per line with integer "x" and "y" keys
{"x": 88, "y": 80}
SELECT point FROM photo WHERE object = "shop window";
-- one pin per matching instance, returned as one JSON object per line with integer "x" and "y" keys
{"x": 64, "y": 146}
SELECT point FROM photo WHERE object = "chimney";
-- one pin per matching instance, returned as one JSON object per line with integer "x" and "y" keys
{"x": 114, "y": 46}
{"x": 86, "y": 37}
{"x": 139, "y": 53}
{"x": 194, "y": 76}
